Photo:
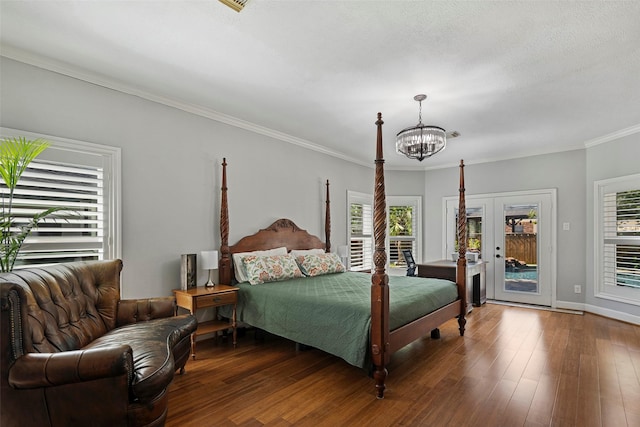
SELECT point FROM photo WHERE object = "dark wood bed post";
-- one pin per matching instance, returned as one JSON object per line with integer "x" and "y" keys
{"x": 380, "y": 349}
{"x": 327, "y": 222}
{"x": 461, "y": 271}
{"x": 224, "y": 265}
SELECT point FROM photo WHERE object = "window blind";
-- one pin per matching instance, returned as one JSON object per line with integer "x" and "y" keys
{"x": 621, "y": 224}
{"x": 360, "y": 236}
{"x": 73, "y": 235}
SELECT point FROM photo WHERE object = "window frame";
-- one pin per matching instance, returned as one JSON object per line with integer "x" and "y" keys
{"x": 66, "y": 151}
{"x": 602, "y": 289}
{"x": 354, "y": 197}
{"x": 416, "y": 236}
{"x": 363, "y": 198}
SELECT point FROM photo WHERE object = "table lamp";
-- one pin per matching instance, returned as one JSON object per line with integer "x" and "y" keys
{"x": 209, "y": 262}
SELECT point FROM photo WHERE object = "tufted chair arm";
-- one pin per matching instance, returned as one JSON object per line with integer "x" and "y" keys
{"x": 34, "y": 370}
{"x": 140, "y": 310}
{"x": 71, "y": 388}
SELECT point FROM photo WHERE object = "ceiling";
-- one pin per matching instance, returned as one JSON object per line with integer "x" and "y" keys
{"x": 514, "y": 78}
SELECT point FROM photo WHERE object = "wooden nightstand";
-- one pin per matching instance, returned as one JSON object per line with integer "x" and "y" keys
{"x": 201, "y": 297}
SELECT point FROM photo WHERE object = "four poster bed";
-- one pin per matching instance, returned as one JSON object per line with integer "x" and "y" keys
{"x": 359, "y": 317}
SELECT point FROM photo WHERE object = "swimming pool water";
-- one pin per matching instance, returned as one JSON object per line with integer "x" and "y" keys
{"x": 521, "y": 275}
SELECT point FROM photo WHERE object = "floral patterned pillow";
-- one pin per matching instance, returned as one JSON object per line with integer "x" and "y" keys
{"x": 261, "y": 269}
{"x": 316, "y": 265}
{"x": 238, "y": 266}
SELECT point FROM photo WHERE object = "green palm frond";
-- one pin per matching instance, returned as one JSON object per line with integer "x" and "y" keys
{"x": 15, "y": 156}
{"x": 12, "y": 241}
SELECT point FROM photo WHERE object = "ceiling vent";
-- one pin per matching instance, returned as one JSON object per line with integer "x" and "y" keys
{"x": 236, "y": 5}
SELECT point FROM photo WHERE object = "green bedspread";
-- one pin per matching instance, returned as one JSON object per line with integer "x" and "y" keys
{"x": 333, "y": 312}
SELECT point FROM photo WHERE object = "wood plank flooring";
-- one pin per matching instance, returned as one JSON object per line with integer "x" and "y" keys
{"x": 514, "y": 367}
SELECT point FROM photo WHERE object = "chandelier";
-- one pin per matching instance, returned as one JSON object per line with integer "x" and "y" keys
{"x": 421, "y": 141}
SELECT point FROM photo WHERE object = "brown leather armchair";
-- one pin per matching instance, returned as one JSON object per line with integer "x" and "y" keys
{"x": 73, "y": 353}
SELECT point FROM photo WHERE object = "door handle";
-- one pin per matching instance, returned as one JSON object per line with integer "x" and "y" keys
{"x": 498, "y": 256}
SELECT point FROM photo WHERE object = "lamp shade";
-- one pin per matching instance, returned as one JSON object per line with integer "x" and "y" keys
{"x": 209, "y": 260}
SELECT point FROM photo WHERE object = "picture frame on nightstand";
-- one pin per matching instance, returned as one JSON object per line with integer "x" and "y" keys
{"x": 188, "y": 271}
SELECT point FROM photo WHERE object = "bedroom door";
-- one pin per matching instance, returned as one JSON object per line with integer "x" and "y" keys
{"x": 524, "y": 230}
{"x": 514, "y": 233}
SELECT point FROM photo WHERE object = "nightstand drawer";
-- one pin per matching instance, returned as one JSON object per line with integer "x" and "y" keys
{"x": 216, "y": 300}
{"x": 216, "y": 296}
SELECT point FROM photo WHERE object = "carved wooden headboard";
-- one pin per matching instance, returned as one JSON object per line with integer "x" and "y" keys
{"x": 283, "y": 232}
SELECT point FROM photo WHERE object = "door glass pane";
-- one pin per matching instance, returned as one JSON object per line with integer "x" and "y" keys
{"x": 521, "y": 248}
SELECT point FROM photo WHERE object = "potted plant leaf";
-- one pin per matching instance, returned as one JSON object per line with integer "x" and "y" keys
{"x": 15, "y": 156}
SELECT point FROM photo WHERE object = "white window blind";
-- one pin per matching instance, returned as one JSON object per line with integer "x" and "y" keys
{"x": 83, "y": 176}
{"x": 621, "y": 224}
{"x": 361, "y": 237}
{"x": 403, "y": 221}
{"x": 360, "y": 230}
{"x": 617, "y": 250}
{"x": 73, "y": 235}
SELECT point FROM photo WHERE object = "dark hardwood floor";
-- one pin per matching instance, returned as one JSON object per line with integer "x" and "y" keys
{"x": 514, "y": 367}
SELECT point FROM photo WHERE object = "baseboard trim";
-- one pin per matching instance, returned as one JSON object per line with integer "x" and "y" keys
{"x": 594, "y": 309}
{"x": 613, "y": 314}
{"x": 537, "y": 307}
{"x": 568, "y": 305}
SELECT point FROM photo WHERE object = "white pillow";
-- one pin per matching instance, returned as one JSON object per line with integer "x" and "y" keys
{"x": 238, "y": 266}
{"x": 300, "y": 252}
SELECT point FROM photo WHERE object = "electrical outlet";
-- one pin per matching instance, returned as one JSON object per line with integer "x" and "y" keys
{"x": 577, "y": 289}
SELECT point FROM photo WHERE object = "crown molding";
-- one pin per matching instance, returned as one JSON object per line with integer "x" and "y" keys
{"x": 106, "y": 82}
{"x": 612, "y": 136}
{"x": 483, "y": 160}
{"x": 103, "y": 81}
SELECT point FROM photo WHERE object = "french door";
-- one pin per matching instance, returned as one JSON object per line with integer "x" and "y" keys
{"x": 515, "y": 235}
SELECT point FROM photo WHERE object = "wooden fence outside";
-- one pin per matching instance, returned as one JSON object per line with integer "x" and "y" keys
{"x": 522, "y": 247}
